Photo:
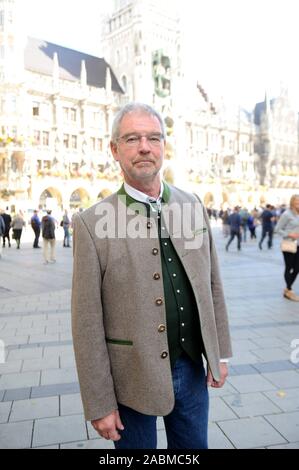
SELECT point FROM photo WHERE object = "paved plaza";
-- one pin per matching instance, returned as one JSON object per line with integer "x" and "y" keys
{"x": 40, "y": 405}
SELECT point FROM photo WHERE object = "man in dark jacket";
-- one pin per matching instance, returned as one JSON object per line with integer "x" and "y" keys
{"x": 36, "y": 225}
{"x": 2, "y": 229}
{"x": 48, "y": 234}
{"x": 7, "y": 222}
{"x": 234, "y": 221}
{"x": 267, "y": 226}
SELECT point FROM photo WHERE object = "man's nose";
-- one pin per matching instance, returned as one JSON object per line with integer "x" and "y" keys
{"x": 143, "y": 144}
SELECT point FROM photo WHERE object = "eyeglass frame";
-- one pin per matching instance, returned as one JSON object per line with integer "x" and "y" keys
{"x": 158, "y": 135}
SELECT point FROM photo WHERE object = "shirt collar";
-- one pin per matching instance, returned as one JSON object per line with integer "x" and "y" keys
{"x": 142, "y": 197}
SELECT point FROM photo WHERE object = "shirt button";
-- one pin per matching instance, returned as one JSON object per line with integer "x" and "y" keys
{"x": 159, "y": 301}
{"x": 164, "y": 354}
{"x": 155, "y": 251}
{"x": 156, "y": 276}
{"x": 161, "y": 328}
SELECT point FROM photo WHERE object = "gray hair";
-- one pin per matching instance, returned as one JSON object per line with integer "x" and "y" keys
{"x": 132, "y": 108}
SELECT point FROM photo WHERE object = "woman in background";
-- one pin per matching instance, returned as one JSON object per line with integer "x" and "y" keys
{"x": 288, "y": 228}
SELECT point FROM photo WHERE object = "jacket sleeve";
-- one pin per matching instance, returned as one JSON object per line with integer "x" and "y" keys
{"x": 91, "y": 355}
{"x": 281, "y": 225}
{"x": 220, "y": 310}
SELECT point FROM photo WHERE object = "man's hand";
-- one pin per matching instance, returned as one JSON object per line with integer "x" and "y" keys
{"x": 223, "y": 374}
{"x": 107, "y": 427}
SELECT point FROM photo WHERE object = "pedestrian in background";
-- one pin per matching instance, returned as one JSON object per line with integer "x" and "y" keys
{"x": 288, "y": 228}
{"x": 36, "y": 226}
{"x": 7, "y": 221}
{"x": 234, "y": 221}
{"x": 267, "y": 226}
{"x": 49, "y": 241}
{"x": 18, "y": 223}
{"x": 66, "y": 224}
{"x": 2, "y": 230}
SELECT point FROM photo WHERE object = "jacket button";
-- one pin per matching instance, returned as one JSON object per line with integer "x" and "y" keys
{"x": 161, "y": 328}
{"x": 156, "y": 276}
{"x": 164, "y": 355}
{"x": 155, "y": 251}
{"x": 159, "y": 301}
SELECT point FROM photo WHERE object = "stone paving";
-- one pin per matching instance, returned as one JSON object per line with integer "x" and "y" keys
{"x": 40, "y": 404}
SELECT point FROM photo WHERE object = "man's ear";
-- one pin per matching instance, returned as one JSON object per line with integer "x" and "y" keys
{"x": 114, "y": 150}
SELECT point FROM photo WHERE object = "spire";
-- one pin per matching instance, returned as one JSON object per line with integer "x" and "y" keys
{"x": 83, "y": 74}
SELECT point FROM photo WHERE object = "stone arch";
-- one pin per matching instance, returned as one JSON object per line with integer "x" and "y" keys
{"x": 209, "y": 200}
{"x": 80, "y": 198}
{"x": 168, "y": 175}
{"x": 50, "y": 198}
{"x": 103, "y": 194}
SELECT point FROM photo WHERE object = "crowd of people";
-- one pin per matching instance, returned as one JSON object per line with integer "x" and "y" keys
{"x": 44, "y": 227}
{"x": 282, "y": 220}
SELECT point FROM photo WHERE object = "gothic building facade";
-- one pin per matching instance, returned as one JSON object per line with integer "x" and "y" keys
{"x": 57, "y": 105}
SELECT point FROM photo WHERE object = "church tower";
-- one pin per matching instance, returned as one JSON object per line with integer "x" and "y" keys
{"x": 141, "y": 42}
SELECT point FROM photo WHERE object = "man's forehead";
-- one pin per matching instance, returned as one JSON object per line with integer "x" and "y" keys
{"x": 139, "y": 120}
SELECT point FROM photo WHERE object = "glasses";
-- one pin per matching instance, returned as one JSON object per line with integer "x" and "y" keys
{"x": 134, "y": 140}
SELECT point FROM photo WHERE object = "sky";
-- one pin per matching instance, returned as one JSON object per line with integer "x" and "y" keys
{"x": 238, "y": 49}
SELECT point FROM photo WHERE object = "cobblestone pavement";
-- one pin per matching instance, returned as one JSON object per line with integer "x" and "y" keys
{"x": 40, "y": 404}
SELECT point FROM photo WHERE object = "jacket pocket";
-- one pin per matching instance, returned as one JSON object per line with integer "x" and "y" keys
{"x": 121, "y": 342}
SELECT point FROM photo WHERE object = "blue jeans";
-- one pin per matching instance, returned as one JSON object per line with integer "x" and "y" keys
{"x": 187, "y": 424}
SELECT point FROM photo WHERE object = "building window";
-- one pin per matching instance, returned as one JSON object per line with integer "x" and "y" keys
{"x": 36, "y": 136}
{"x": 66, "y": 141}
{"x": 46, "y": 139}
{"x": 74, "y": 142}
{"x": 96, "y": 144}
{"x": 36, "y": 109}
{"x": 73, "y": 114}
{"x": 69, "y": 114}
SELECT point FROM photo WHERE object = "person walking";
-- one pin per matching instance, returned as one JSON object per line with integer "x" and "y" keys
{"x": 66, "y": 224}
{"x": 251, "y": 222}
{"x": 7, "y": 221}
{"x": 147, "y": 306}
{"x": 49, "y": 241}
{"x": 244, "y": 214}
{"x": 288, "y": 228}
{"x": 235, "y": 228}
{"x": 18, "y": 223}
{"x": 267, "y": 226}
{"x": 2, "y": 230}
{"x": 36, "y": 226}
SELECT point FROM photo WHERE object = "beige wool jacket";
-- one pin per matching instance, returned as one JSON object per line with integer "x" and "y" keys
{"x": 120, "y": 354}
